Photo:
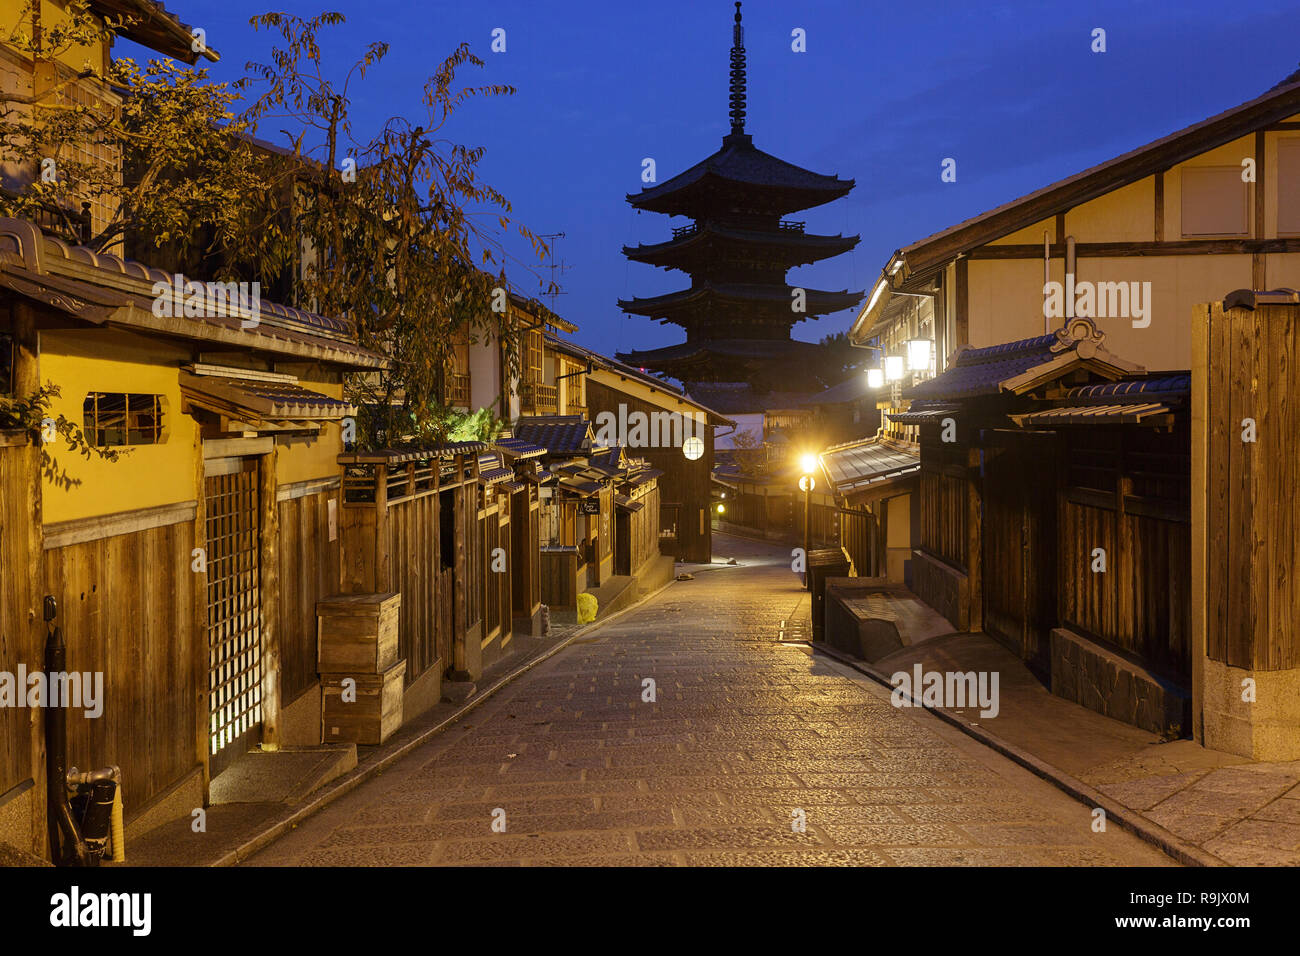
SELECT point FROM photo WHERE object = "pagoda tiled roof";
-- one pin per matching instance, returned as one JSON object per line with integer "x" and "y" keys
{"x": 742, "y": 164}
{"x": 818, "y": 301}
{"x": 799, "y": 248}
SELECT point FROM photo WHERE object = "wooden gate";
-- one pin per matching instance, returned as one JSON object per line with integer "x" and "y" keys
{"x": 234, "y": 609}
{"x": 1019, "y": 547}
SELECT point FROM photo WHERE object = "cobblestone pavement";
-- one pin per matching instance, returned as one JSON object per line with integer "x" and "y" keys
{"x": 746, "y": 736}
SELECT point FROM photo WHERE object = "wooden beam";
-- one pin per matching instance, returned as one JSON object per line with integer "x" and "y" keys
{"x": 963, "y": 303}
{"x": 1112, "y": 250}
{"x": 1257, "y": 187}
{"x": 1159, "y": 212}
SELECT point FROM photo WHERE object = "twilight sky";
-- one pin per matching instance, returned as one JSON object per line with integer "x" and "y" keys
{"x": 884, "y": 93}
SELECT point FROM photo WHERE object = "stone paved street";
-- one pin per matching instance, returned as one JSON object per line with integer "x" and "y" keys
{"x": 745, "y": 731}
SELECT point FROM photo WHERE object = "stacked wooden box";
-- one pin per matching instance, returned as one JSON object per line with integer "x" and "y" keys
{"x": 357, "y": 640}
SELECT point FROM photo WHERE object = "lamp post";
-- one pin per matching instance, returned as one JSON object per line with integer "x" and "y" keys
{"x": 806, "y": 485}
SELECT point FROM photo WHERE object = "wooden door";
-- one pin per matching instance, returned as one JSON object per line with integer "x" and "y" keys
{"x": 234, "y": 609}
{"x": 1019, "y": 545}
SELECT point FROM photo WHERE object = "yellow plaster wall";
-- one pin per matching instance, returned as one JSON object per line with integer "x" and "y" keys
{"x": 1030, "y": 235}
{"x": 1006, "y": 300}
{"x": 1123, "y": 215}
{"x": 150, "y": 475}
{"x": 302, "y": 459}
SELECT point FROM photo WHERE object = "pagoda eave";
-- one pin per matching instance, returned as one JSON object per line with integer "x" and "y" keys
{"x": 758, "y": 299}
{"x": 786, "y": 248}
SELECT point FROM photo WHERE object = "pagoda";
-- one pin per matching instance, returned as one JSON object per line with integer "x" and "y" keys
{"x": 739, "y": 308}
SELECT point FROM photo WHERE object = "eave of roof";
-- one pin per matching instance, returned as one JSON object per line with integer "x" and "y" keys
{"x": 156, "y": 29}
{"x": 103, "y": 289}
{"x": 1275, "y": 105}
{"x": 739, "y": 162}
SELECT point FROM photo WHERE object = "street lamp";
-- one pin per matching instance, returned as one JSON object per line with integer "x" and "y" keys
{"x": 893, "y": 367}
{"x": 875, "y": 377}
{"x": 806, "y": 485}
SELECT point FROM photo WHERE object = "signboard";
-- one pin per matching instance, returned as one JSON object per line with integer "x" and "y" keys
{"x": 589, "y": 506}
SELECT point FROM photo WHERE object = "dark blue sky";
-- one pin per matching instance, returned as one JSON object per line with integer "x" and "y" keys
{"x": 884, "y": 92}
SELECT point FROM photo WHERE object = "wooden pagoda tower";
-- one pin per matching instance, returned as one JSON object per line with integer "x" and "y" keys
{"x": 739, "y": 308}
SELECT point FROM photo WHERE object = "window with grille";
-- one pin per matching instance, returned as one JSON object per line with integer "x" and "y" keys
{"x": 122, "y": 418}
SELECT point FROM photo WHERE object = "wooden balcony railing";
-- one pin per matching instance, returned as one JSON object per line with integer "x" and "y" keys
{"x": 540, "y": 397}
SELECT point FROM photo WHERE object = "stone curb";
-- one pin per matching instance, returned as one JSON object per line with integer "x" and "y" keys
{"x": 353, "y": 780}
{"x": 1147, "y": 830}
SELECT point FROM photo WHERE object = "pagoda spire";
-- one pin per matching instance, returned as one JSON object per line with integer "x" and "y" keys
{"x": 737, "y": 86}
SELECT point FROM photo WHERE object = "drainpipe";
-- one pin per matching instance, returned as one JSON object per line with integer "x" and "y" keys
{"x": 70, "y": 849}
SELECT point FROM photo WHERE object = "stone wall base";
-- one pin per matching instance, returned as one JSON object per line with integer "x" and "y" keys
{"x": 1102, "y": 680}
{"x": 1267, "y": 728}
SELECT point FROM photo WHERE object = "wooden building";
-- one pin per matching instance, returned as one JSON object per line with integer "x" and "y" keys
{"x": 1245, "y": 525}
{"x": 187, "y": 571}
{"x": 873, "y": 483}
{"x": 1150, "y": 234}
{"x": 1055, "y": 499}
{"x": 653, "y": 421}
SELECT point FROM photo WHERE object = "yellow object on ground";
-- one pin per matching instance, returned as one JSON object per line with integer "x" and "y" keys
{"x": 586, "y": 608}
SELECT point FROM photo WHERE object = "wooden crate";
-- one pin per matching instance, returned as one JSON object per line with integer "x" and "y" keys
{"x": 357, "y": 633}
{"x": 375, "y": 713}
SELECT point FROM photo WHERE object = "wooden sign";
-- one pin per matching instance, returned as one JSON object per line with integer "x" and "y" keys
{"x": 589, "y": 506}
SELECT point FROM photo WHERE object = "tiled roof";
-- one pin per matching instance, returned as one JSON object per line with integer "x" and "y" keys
{"x": 924, "y": 413}
{"x": 267, "y": 400}
{"x": 396, "y": 456}
{"x": 517, "y": 448}
{"x": 853, "y": 466}
{"x": 740, "y": 162}
{"x": 103, "y": 289}
{"x": 1126, "y": 402}
{"x": 558, "y": 434}
{"x": 1017, "y": 366}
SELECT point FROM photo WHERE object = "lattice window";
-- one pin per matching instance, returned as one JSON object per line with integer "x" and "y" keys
{"x": 120, "y": 418}
{"x": 234, "y": 607}
{"x": 90, "y": 152}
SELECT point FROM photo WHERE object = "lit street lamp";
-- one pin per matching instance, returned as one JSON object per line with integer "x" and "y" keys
{"x": 875, "y": 377}
{"x": 806, "y": 484}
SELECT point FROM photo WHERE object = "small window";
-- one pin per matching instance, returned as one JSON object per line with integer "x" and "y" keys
{"x": 1288, "y": 187}
{"x": 122, "y": 418}
{"x": 1214, "y": 201}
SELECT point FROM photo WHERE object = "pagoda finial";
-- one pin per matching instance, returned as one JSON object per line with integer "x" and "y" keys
{"x": 737, "y": 86}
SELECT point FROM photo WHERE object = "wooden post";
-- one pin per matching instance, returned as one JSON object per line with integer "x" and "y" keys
{"x": 270, "y": 598}
{"x": 28, "y": 583}
{"x": 1200, "y": 409}
{"x": 383, "y": 582}
{"x": 973, "y": 543}
{"x": 202, "y": 654}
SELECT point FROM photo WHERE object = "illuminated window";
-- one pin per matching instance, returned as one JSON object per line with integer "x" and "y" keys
{"x": 120, "y": 418}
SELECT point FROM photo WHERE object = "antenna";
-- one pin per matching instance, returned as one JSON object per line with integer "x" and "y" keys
{"x": 554, "y": 267}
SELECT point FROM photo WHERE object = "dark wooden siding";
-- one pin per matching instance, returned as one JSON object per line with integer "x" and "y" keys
{"x": 308, "y": 572}
{"x": 21, "y": 634}
{"x": 126, "y": 607}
